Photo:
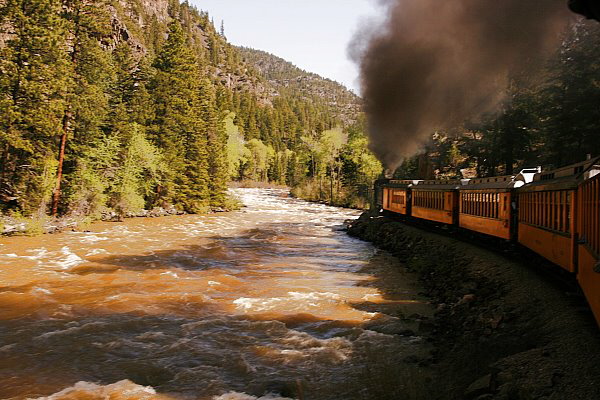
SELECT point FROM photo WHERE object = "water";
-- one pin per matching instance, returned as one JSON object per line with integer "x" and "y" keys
{"x": 273, "y": 301}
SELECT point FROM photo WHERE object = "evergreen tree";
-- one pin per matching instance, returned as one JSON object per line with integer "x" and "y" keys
{"x": 179, "y": 129}
{"x": 33, "y": 65}
{"x": 87, "y": 21}
{"x": 568, "y": 102}
{"x": 216, "y": 144}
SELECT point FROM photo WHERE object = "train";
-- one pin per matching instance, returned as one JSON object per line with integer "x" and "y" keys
{"x": 555, "y": 213}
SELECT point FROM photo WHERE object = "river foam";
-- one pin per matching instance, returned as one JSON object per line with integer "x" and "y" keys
{"x": 122, "y": 390}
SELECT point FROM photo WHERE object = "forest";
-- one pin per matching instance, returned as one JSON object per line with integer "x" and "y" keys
{"x": 108, "y": 106}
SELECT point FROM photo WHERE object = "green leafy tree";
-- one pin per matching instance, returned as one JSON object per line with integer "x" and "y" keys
{"x": 137, "y": 171}
{"x": 330, "y": 146}
{"x": 237, "y": 153}
{"x": 259, "y": 157}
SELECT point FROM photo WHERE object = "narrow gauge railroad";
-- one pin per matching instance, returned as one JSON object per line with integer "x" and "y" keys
{"x": 554, "y": 213}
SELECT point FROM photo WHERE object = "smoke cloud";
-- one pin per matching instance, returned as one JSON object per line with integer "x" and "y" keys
{"x": 437, "y": 63}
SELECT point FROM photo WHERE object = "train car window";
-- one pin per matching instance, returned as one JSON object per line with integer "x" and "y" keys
{"x": 550, "y": 209}
{"x": 482, "y": 204}
{"x": 428, "y": 199}
{"x": 399, "y": 198}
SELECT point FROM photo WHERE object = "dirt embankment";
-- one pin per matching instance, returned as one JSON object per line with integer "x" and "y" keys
{"x": 502, "y": 329}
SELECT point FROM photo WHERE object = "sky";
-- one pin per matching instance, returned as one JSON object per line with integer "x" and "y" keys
{"x": 312, "y": 34}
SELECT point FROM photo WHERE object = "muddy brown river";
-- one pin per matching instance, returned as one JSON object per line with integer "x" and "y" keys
{"x": 272, "y": 301}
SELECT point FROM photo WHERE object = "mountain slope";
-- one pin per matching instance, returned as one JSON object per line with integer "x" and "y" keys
{"x": 285, "y": 77}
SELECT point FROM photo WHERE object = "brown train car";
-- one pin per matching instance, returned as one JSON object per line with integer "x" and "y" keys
{"x": 396, "y": 196}
{"x": 588, "y": 274}
{"x": 436, "y": 201}
{"x": 548, "y": 214}
{"x": 487, "y": 205}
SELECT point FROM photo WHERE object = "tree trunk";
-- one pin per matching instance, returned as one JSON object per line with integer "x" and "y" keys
{"x": 5, "y": 162}
{"x": 61, "y": 158}
{"x": 331, "y": 187}
{"x": 68, "y": 117}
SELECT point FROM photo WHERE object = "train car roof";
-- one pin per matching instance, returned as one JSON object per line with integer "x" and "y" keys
{"x": 564, "y": 178}
{"x": 502, "y": 183}
{"x": 404, "y": 183}
{"x": 440, "y": 184}
{"x": 401, "y": 184}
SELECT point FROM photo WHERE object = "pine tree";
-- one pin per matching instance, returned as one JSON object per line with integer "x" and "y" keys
{"x": 87, "y": 21}
{"x": 569, "y": 112}
{"x": 33, "y": 64}
{"x": 216, "y": 142}
{"x": 178, "y": 126}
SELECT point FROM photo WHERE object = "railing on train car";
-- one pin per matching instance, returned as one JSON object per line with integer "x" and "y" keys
{"x": 550, "y": 210}
{"x": 590, "y": 212}
{"x": 399, "y": 197}
{"x": 480, "y": 204}
{"x": 427, "y": 199}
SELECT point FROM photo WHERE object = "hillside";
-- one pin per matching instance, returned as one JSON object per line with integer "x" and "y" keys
{"x": 286, "y": 77}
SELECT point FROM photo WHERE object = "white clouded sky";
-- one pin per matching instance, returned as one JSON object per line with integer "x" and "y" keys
{"x": 312, "y": 34}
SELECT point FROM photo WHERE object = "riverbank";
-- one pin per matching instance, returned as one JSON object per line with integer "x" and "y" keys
{"x": 44, "y": 224}
{"x": 502, "y": 330}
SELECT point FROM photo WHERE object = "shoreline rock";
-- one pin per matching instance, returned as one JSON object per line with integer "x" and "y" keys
{"x": 501, "y": 330}
{"x": 10, "y": 226}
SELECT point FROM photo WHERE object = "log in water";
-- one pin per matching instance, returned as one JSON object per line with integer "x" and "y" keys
{"x": 274, "y": 300}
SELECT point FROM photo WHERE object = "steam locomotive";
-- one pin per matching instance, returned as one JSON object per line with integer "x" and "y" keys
{"x": 555, "y": 213}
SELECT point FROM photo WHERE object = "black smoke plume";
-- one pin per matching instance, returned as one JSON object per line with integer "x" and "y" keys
{"x": 437, "y": 63}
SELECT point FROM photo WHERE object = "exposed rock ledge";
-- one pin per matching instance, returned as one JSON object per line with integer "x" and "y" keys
{"x": 502, "y": 329}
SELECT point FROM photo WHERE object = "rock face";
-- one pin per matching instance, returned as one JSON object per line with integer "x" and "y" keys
{"x": 127, "y": 14}
{"x": 501, "y": 331}
{"x": 141, "y": 11}
{"x": 131, "y": 18}
{"x": 154, "y": 7}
